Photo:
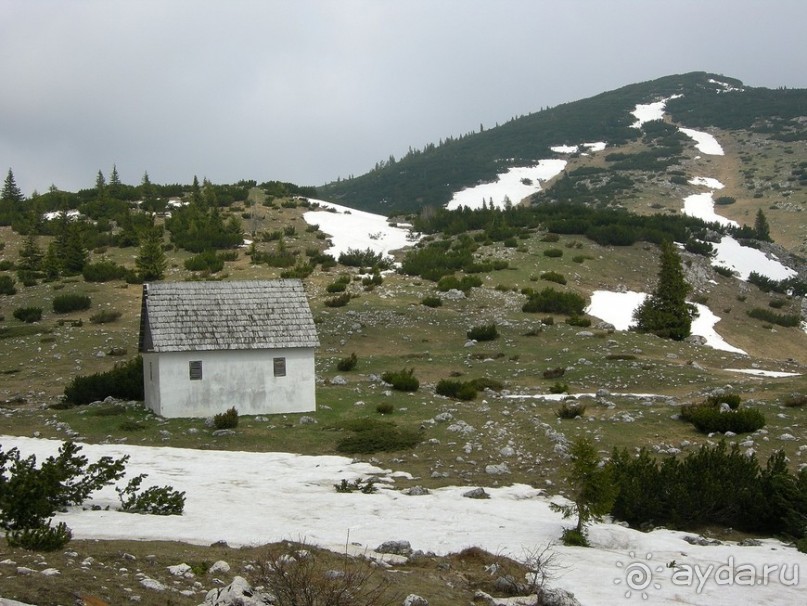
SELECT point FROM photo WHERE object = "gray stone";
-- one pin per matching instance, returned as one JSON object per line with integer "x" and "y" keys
{"x": 416, "y": 491}
{"x": 558, "y": 597}
{"x": 497, "y": 470}
{"x": 415, "y": 600}
{"x": 339, "y": 380}
{"x": 403, "y": 548}
{"x": 476, "y": 493}
{"x": 306, "y": 420}
{"x": 238, "y": 593}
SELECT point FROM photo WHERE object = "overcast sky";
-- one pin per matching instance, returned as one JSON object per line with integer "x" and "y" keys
{"x": 310, "y": 90}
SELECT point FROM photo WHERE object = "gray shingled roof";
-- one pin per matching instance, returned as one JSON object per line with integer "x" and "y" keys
{"x": 257, "y": 314}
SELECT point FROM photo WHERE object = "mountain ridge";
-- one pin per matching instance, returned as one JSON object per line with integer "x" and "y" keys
{"x": 429, "y": 177}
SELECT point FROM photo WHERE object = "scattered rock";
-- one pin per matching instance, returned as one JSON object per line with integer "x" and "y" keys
{"x": 497, "y": 470}
{"x": 219, "y": 567}
{"x": 223, "y": 432}
{"x": 306, "y": 420}
{"x": 238, "y": 593}
{"x": 179, "y": 570}
{"x": 339, "y": 380}
{"x": 403, "y": 548}
{"x": 476, "y": 493}
{"x": 154, "y": 584}
{"x": 416, "y": 491}
{"x": 415, "y": 600}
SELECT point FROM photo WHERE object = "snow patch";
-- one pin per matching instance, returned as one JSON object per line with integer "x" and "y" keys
{"x": 514, "y": 185}
{"x": 349, "y": 228}
{"x": 704, "y": 142}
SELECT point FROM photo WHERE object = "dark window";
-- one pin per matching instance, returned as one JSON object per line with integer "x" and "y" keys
{"x": 280, "y": 367}
{"x": 195, "y": 368}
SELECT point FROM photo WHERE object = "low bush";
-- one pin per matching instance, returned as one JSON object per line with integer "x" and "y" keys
{"x": 207, "y": 261}
{"x": 160, "y": 501}
{"x": 771, "y": 317}
{"x": 103, "y": 271}
{"x": 716, "y": 399}
{"x": 40, "y": 538}
{"x": 63, "y": 304}
{"x": 459, "y": 390}
{"x": 710, "y": 419}
{"x": 558, "y": 387}
{"x": 553, "y": 253}
{"x": 550, "y": 300}
{"x": 724, "y": 271}
{"x": 385, "y": 408}
{"x": 486, "y": 332}
{"x": 124, "y": 382}
{"x": 371, "y": 435}
{"x": 363, "y": 258}
{"x": 402, "y": 380}
{"x": 226, "y": 420}
{"x": 553, "y": 276}
{"x": 432, "y": 301}
{"x": 29, "y": 315}
{"x": 550, "y": 237}
{"x": 338, "y": 301}
{"x": 777, "y": 303}
{"x": 571, "y": 409}
{"x": 105, "y": 316}
{"x": 579, "y": 321}
{"x": 7, "y": 285}
{"x": 554, "y": 373}
{"x": 347, "y": 364}
{"x": 724, "y": 200}
{"x": 795, "y": 400}
{"x": 465, "y": 284}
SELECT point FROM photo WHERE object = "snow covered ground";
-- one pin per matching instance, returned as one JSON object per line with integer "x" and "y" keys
{"x": 514, "y": 185}
{"x": 349, "y": 228}
{"x": 617, "y": 308}
{"x": 704, "y": 142}
{"x": 253, "y": 498}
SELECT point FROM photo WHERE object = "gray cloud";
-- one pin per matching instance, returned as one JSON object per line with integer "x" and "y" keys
{"x": 311, "y": 90}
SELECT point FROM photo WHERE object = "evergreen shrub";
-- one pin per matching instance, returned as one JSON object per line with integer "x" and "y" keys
{"x": 124, "y": 382}
{"x": 67, "y": 303}
{"x": 432, "y": 301}
{"x": 553, "y": 276}
{"x": 402, "y": 380}
{"x": 7, "y": 285}
{"x": 226, "y": 420}
{"x": 29, "y": 315}
{"x": 105, "y": 316}
{"x": 486, "y": 332}
{"x": 347, "y": 364}
{"x": 155, "y": 500}
{"x": 103, "y": 271}
{"x": 550, "y": 300}
{"x": 571, "y": 409}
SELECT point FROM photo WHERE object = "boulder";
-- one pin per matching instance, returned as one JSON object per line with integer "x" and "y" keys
{"x": 403, "y": 548}
{"x": 238, "y": 593}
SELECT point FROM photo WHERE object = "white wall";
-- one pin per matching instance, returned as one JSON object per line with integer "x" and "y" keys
{"x": 240, "y": 378}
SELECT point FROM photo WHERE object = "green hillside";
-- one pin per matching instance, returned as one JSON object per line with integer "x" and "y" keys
{"x": 428, "y": 177}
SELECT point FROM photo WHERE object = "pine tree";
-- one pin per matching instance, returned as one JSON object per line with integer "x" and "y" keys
{"x": 594, "y": 489}
{"x": 11, "y": 193}
{"x": 762, "y": 231}
{"x": 75, "y": 253}
{"x": 30, "y": 255}
{"x": 100, "y": 186}
{"x": 151, "y": 261}
{"x": 114, "y": 183}
{"x": 666, "y": 313}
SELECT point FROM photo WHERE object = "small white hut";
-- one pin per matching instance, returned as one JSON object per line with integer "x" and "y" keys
{"x": 211, "y": 346}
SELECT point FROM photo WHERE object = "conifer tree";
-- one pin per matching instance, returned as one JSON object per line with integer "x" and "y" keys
{"x": 666, "y": 313}
{"x": 100, "y": 186}
{"x": 30, "y": 255}
{"x": 593, "y": 486}
{"x": 11, "y": 193}
{"x": 151, "y": 261}
{"x": 762, "y": 230}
